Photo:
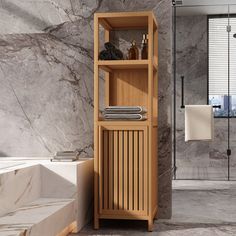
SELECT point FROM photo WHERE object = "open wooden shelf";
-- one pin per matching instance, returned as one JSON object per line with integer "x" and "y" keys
{"x": 125, "y": 152}
{"x": 123, "y": 123}
{"x": 125, "y": 64}
{"x": 126, "y": 20}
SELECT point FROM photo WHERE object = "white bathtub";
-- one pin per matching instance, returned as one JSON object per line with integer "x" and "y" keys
{"x": 9, "y": 164}
{"x": 24, "y": 180}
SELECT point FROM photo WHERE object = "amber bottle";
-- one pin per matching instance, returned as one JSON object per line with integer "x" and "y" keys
{"x": 144, "y": 48}
{"x": 133, "y": 53}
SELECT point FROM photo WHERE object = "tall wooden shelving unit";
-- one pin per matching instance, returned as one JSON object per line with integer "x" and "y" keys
{"x": 125, "y": 152}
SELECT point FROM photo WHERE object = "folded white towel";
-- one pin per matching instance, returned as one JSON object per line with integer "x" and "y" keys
{"x": 125, "y": 109}
{"x": 199, "y": 121}
{"x": 124, "y": 116}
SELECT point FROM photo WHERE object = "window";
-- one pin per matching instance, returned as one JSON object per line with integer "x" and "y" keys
{"x": 218, "y": 65}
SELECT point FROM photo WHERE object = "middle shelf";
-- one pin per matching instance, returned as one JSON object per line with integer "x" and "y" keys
{"x": 124, "y": 64}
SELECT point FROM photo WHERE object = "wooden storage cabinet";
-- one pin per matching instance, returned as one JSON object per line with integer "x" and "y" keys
{"x": 125, "y": 152}
{"x": 123, "y": 168}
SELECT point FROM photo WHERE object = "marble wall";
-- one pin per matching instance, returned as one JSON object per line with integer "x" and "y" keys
{"x": 201, "y": 159}
{"x": 46, "y": 75}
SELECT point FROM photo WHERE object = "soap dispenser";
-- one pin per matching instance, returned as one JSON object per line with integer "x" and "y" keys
{"x": 133, "y": 53}
{"x": 144, "y": 48}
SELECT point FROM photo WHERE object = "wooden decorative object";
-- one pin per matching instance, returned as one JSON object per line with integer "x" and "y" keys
{"x": 125, "y": 152}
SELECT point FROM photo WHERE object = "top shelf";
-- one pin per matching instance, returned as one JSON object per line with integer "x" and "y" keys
{"x": 125, "y": 20}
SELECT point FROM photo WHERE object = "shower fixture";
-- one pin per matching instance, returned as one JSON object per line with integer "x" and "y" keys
{"x": 234, "y": 35}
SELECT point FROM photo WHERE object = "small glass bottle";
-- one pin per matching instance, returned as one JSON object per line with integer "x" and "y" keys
{"x": 144, "y": 48}
{"x": 133, "y": 53}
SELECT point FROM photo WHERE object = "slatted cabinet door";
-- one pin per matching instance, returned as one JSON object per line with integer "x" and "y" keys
{"x": 123, "y": 165}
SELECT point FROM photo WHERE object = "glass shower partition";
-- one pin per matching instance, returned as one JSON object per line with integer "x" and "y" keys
{"x": 202, "y": 76}
{"x": 232, "y": 91}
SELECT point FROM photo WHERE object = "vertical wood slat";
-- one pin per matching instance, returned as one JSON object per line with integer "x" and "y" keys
{"x": 97, "y": 130}
{"x": 105, "y": 169}
{"x": 126, "y": 170}
{"x": 136, "y": 170}
{"x": 100, "y": 168}
{"x": 116, "y": 169}
{"x": 107, "y": 74}
{"x": 111, "y": 169}
{"x": 121, "y": 206}
{"x": 131, "y": 202}
{"x": 141, "y": 173}
{"x": 145, "y": 174}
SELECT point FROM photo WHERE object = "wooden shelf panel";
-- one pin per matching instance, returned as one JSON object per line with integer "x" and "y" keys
{"x": 125, "y": 20}
{"x": 122, "y": 122}
{"x": 124, "y": 64}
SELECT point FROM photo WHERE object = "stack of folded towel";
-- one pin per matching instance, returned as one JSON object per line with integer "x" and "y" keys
{"x": 65, "y": 156}
{"x": 125, "y": 113}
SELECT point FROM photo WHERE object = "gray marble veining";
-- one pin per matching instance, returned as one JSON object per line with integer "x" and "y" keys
{"x": 46, "y": 93}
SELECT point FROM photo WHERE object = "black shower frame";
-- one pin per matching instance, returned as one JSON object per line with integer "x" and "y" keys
{"x": 228, "y": 151}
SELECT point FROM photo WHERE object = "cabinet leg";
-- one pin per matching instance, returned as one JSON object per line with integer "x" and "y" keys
{"x": 96, "y": 223}
{"x": 150, "y": 225}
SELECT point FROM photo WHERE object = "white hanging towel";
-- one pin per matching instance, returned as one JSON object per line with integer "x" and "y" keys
{"x": 199, "y": 122}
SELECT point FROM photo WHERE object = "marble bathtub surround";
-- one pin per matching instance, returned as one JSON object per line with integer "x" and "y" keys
{"x": 41, "y": 217}
{"x": 20, "y": 185}
{"x": 46, "y": 75}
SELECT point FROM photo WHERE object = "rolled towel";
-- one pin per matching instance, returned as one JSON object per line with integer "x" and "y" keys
{"x": 125, "y": 110}
{"x": 122, "y": 116}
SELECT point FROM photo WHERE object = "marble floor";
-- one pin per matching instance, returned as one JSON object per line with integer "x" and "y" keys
{"x": 200, "y": 208}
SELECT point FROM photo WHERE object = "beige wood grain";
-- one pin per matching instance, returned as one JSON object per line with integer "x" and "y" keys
{"x": 111, "y": 169}
{"x": 105, "y": 169}
{"x": 126, "y": 170}
{"x": 121, "y": 168}
{"x": 96, "y": 113}
{"x": 69, "y": 229}
{"x": 109, "y": 66}
{"x": 131, "y": 172}
{"x": 126, "y": 20}
{"x": 105, "y": 24}
{"x": 141, "y": 172}
{"x": 145, "y": 170}
{"x": 116, "y": 169}
{"x": 129, "y": 88}
{"x": 107, "y": 73}
{"x": 136, "y": 148}
{"x": 101, "y": 168}
{"x": 125, "y": 125}
{"x": 123, "y": 215}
